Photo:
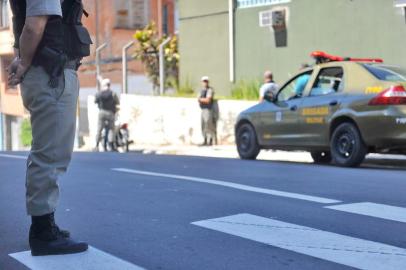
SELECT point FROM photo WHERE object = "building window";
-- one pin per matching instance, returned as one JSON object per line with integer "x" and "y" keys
{"x": 176, "y": 16}
{"x": 131, "y": 14}
{"x": 258, "y": 3}
{"x": 165, "y": 20}
{"x": 4, "y": 15}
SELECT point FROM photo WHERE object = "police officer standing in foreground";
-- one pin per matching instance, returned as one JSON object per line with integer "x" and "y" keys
{"x": 49, "y": 43}
{"x": 206, "y": 102}
{"x": 107, "y": 101}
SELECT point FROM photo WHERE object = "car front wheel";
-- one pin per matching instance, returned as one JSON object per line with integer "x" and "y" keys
{"x": 347, "y": 146}
{"x": 247, "y": 143}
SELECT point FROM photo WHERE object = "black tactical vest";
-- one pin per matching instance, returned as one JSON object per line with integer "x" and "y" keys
{"x": 106, "y": 101}
{"x": 203, "y": 94}
{"x": 62, "y": 34}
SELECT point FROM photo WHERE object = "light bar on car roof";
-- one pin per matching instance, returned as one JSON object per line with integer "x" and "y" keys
{"x": 322, "y": 57}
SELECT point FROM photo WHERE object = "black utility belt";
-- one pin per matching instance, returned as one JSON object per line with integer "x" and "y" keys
{"x": 72, "y": 64}
{"x": 54, "y": 62}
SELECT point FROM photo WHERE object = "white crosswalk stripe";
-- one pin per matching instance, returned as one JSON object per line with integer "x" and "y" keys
{"x": 341, "y": 249}
{"x": 383, "y": 211}
{"x": 90, "y": 260}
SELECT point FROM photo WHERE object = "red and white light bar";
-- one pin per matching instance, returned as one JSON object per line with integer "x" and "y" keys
{"x": 322, "y": 57}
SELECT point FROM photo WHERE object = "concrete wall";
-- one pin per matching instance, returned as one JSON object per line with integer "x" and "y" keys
{"x": 203, "y": 46}
{"x": 165, "y": 120}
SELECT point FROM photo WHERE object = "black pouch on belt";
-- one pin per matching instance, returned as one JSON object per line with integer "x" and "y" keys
{"x": 53, "y": 63}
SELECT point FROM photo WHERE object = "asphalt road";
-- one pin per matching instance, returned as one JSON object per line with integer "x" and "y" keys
{"x": 157, "y": 212}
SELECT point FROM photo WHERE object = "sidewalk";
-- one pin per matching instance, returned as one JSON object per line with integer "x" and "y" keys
{"x": 221, "y": 151}
{"x": 230, "y": 151}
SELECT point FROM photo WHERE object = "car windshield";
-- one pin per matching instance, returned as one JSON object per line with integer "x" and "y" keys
{"x": 387, "y": 73}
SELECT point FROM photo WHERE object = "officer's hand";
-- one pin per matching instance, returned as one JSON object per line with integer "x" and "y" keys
{"x": 13, "y": 66}
{"x": 17, "y": 76}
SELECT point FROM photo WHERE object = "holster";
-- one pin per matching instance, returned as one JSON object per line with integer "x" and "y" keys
{"x": 53, "y": 63}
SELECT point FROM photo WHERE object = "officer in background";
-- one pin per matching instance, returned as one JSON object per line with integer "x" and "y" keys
{"x": 108, "y": 102}
{"x": 206, "y": 102}
{"x": 49, "y": 89}
{"x": 269, "y": 89}
{"x": 302, "y": 81}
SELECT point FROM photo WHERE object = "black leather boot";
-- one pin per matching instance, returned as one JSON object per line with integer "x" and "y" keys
{"x": 204, "y": 143}
{"x": 47, "y": 239}
{"x": 63, "y": 233}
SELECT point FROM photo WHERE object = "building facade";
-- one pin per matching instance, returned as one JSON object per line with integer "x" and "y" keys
{"x": 112, "y": 22}
{"x": 11, "y": 107}
{"x": 232, "y": 40}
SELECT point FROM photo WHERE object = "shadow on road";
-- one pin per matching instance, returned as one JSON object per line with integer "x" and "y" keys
{"x": 377, "y": 164}
{"x": 382, "y": 163}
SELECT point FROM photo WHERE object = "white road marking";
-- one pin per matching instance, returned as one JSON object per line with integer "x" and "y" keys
{"x": 13, "y": 156}
{"x": 233, "y": 185}
{"x": 346, "y": 250}
{"x": 374, "y": 210}
{"x": 89, "y": 260}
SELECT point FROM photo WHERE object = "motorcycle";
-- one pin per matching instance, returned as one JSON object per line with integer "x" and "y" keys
{"x": 121, "y": 137}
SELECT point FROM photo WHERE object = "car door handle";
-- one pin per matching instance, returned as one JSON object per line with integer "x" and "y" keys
{"x": 293, "y": 108}
{"x": 334, "y": 103}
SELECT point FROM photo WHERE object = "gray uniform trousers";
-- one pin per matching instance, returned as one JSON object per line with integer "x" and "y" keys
{"x": 109, "y": 117}
{"x": 53, "y": 120}
{"x": 208, "y": 125}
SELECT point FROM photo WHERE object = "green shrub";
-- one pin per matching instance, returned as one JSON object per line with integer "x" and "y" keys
{"x": 181, "y": 90}
{"x": 26, "y": 133}
{"x": 246, "y": 90}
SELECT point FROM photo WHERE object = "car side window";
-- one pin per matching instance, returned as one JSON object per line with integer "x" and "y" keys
{"x": 329, "y": 81}
{"x": 294, "y": 88}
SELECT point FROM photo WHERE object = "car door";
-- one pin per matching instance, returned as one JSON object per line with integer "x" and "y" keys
{"x": 280, "y": 121}
{"x": 320, "y": 104}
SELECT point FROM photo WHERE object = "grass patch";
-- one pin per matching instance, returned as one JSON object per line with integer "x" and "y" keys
{"x": 246, "y": 90}
{"x": 26, "y": 133}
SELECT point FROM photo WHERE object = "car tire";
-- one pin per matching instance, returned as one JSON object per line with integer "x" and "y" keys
{"x": 321, "y": 157}
{"x": 247, "y": 143}
{"x": 347, "y": 147}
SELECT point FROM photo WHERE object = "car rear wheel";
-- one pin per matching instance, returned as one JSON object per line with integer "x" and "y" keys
{"x": 347, "y": 146}
{"x": 247, "y": 143}
{"x": 321, "y": 157}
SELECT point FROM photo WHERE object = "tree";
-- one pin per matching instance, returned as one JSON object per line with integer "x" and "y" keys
{"x": 147, "y": 51}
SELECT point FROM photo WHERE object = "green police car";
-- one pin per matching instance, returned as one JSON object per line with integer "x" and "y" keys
{"x": 339, "y": 110}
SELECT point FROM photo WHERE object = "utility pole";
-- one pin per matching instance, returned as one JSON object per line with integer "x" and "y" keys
{"x": 98, "y": 50}
{"x": 124, "y": 60}
{"x": 231, "y": 40}
{"x": 96, "y": 12}
{"x": 96, "y": 24}
{"x": 162, "y": 65}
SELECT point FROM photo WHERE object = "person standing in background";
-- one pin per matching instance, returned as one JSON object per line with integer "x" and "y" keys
{"x": 269, "y": 89}
{"x": 107, "y": 102}
{"x": 206, "y": 102}
{"x": 302, "y": 81}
